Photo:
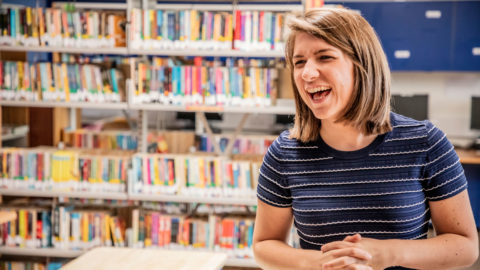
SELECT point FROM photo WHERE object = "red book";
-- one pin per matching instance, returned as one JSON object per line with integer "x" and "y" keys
{"x": 238, "y": 26}
{"x": 261, "y": 23}
{"x": 40, "y": 167}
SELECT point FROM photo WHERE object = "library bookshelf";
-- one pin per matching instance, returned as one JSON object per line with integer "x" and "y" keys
{"x": 136, "y": 53}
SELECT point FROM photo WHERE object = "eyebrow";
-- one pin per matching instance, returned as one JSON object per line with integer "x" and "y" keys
{"x": 317, "y": 52}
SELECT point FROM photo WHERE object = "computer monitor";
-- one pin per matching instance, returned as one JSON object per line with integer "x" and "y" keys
{"x": 475, "y": 114}
{"x": 415, "y": 106}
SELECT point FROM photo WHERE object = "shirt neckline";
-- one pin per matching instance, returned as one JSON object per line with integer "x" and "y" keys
{"x": 363, "y": 152}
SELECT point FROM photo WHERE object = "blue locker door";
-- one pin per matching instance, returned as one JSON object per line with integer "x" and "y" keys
{"x": 416, "y": 35}
{"x": 466, "y": 51}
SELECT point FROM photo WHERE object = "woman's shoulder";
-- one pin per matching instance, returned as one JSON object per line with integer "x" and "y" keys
{"x": 406, "y": 127}
{"x": 284, "y": 144}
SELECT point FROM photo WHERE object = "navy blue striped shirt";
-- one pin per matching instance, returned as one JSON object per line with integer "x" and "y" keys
{"x": 381, "y": 191}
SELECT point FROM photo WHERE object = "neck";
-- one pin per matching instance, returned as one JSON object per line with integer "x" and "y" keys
{"x": 344, "y": 137}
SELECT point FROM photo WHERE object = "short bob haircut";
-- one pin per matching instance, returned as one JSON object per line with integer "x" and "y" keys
{"x": 369, "y": 108}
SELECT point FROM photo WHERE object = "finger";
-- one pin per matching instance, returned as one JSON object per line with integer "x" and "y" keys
{"x": 336, "y": 245}
{"x": 354, "y": 252}
{"x": 339, "y": 263}
{"x": 357, "y": 267}
{"x": 353, "y": 238}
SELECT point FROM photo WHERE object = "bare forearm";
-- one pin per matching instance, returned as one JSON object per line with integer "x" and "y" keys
{"x": 445, "y": 251}
{"x": 275, "y": 254}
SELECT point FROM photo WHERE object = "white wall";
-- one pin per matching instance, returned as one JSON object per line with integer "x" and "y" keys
{"x": 449, "y": 97}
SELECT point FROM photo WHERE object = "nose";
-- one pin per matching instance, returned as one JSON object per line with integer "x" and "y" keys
{"x": 310, "y": 71}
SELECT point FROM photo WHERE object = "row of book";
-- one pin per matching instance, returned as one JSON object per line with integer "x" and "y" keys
{"x": 63, "y": 170}
{"x": 80, "y": 230}
{"x": 25, "y": 265}
{"x": 200, "y": 85}
{"x": 67, "y": 228}
{"x": 244, "y": 144}
{"x": 75, "y": 170}
{"x": 194, "y": 29}
{"x": 233, "y": 235}
{"x": 128, "y": 140}
{"x": 63, "y": 228}
{"x": 60, "y": 82}
{"x": 56, "y": 27}
{"x": 191, "y": 175}
{"x": 107, "y": 140}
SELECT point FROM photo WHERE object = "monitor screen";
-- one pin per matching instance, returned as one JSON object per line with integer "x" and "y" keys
{"x": 475, "y": 113}
{"x": 415, "y": 106}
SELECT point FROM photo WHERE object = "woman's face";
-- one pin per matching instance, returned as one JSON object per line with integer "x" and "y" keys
{"x": 323, "y": 75}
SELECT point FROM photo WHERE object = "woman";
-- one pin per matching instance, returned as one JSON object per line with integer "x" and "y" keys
{"x": 360, "y": 182}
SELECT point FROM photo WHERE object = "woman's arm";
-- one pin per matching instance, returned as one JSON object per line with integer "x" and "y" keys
{"x": 272, "y": 226}
{"x": 456, "y": 243}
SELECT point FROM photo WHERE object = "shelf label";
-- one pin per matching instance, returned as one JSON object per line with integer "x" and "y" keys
{"x": 476, "y": 51}
{"x": 402, "y": 54}
{"x": 433, "y": 14}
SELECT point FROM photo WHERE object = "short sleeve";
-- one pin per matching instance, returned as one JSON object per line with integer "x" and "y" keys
{"x": 443, "y": 172}
{"x": 272, "y": 188}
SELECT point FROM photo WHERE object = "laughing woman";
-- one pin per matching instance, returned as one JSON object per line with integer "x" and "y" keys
{"x": 361, "y": 183}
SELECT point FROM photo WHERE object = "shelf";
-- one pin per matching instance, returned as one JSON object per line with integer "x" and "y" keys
{"x": 42, "y": 252}
{"x": 120, "y": 51}
{"x": 73, "y": 194}
{"x": 85, "y": 105}
{"x": 192, "y": 199}
{"x": 284, "y": 106}
{"x": 92, "y": 5}
{"x": 235, "y": 262}
{"x": 61, "y": 253}
{"x": 226, "y": 53}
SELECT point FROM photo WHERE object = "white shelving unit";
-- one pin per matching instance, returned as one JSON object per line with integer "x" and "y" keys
{"x": 115, "y": 50}
{"x": 41, "y": 252}
{"x": 193, "y": 199}
{"x": 226, "y": 53}
{"x": 282, "y": 107}
{"x": 65, "y": 104}
{"x": 64, "y": 194}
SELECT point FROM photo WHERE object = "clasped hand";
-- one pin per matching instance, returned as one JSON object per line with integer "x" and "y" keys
{"x": 355, "y": 253}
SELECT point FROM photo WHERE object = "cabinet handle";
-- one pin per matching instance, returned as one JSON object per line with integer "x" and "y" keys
{"x": 402, "y": 54}
{"x": 433, "y": 14}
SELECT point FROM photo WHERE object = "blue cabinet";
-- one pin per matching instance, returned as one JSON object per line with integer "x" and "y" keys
{"x": 426, "y": 36}
{"x": 466, "y": 36}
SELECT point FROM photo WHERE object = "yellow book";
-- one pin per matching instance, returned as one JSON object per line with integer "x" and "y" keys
{"x": 22, "y": 226}
{"x": 66, "y": 87}
{"x": 28, "y": 12}
{"x": 85, "y": 226}
{"x": 257, "y": 82}
{"x": 20, "y": 75}
{"x": 246, "y": 89}
{"x": 218, "y": 180}
{"x": 217, "y": 20}
{"x": 193, "y": 25}
{"x": 112, "y": 230}
{"x": 201, "y": 172}
{"x": 107, "y": 236}
{"x": 156, "y": 178}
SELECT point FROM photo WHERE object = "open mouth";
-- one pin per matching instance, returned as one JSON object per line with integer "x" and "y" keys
{"x": 319, "y": 94}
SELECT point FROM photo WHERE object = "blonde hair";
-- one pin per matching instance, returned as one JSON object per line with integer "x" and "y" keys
{"x": 369, "y": 108}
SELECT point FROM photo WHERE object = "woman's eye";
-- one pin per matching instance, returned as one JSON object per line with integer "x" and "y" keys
{"x": 325, "y": 57}
{"x": 299, "y": 62}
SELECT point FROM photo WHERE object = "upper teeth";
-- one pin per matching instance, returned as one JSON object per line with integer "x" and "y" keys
{"x": 317, "y": 89}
